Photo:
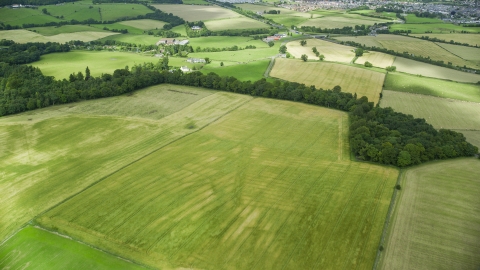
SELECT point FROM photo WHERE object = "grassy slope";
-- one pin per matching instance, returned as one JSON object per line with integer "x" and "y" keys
{"x": 236, "y": 195}
{"x": 332, "y": 19}
{"x": 31, "y": 246}
{"x": 17, "y": 17}
{"x": 61, "y": 65}
{"x": 24, "y": 36}
{"x": 54, "y": 30}
{"x": 64, "y": 149}
{"x": 437, "y": 218}
{"x": 433, "y": 87}
{"x": 81, "y": 11}
{"x": 428, "y": 70}
{"x": 252, "y": 71}
{"x": 327, "y": 75}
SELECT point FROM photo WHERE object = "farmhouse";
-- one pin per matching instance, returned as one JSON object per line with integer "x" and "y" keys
{"x": 195, "y": 27}
{"x": 184, "y": 69}
{"x": 172, "y": 41}
{"x": 196, "y": 60}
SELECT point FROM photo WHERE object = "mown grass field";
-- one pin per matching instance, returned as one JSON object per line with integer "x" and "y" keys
{"x": 412, "y": 18}
{"x": 55, "y": 30}
{"x": 223, "y": 42}
{"x": 286, "y": 17}
{"x": 243, "y": 56}
{"x": 333, "y": 52}
{"x": 433, "y": 87}
{"x": 437, "y": 217}
{"x": 467, "y": 53}
{"x": 134, "y": 39}
{"x": 24, "y": 36}
{"x": 415, "y": 46}
{"x": 17, "y": 17}
{"x": 419, "y": 68}
{"x": 235, "y": 195}
{"x": 61, "y": 65}
{"x": 64, "y": 149}
{"x": 33, "y": 247}
{"x": 252, "y": 71}
{"x": 340, "y": 20}
{"x": 105, "y": 12}
{"x": 144, "y": 24}
{"x": 327, "y": 75}
{"x": 119, "y": 26}
{"x": 193, "y": 13}
{"x": 440, "y": 112}
{"x": 234, "y": 23}
{"x": 377, "y": 59}
{"x": 472, "y": 39}
{"x": 436, "y": 28}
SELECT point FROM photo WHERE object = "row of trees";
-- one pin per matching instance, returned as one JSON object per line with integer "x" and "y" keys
{"x": 17, "y": 53}
{"x": 376, "y": 134}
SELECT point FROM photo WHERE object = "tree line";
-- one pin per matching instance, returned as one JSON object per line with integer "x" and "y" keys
{"x": 17, "y": 53}
{"x": 376, "y": 134}
{"x": 31, "y": 2}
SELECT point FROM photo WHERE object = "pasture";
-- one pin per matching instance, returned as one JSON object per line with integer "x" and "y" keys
{"x": 340, "y": 20}
{"x": 437, "y": 217}
{"x": 243, "y": 56}
{"x": 55, "y": 30}
{"x": 326, "y": 75}
{"x": 419, "y": 68}
{"x": 193, "y": 13}
{"x": 471, "y": 39}
{"x": 145, "y": 24}
{"x": 223, "y": 42}
{"x": 134, "y": 39}
{"x": 234, "y": 23}
{"x": 24, "y": 36}
{"x": 466, "y": 53}
{"x": 439, "y": 112}
{"x": 412, "y": 18}
{"x": 79, "y": 147}
{"x": 61, "y": 65}
{"x": 333, "y": 52}
{"x": 31, "y": 247}
{"x": 377, "y": 59}
{"x": 235, "y": 195}
{"x": 84, "y": 10}
{"x": 119, "y": 26}
{"x": 436, "y": 28}
{"x": 20, "y": 16}
{"x": 432, "y": 87}
{"x": 252, "y": 71}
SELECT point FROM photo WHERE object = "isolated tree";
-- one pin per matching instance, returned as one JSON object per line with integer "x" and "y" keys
{"x": 207, "y": 60}
{"x": 303, "y": 42}
{"x": 321, "y": 57}
{"x": 314, "y": 49}
{"x": 270, "y": 43}
{"x": 368, "y": 64}
{"x": 221, "y": 64}
{"x": 87, "y": 74}
{"x": 391, "y": 68}
{"x": 359, "y": 52}
{"x": 283, "y": 49}
{"x": 304, "y": 57}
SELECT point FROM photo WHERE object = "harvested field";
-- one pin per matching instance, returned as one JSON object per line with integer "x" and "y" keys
{"x": 419, "y": 68}
{"x": 236, "y": 195}
{"x": 437, "y": 218}
{"x": 440, "y": 112}
{"x": 471, "y": 39}
{"x": 377, "y": 59}
{"x": 364, "y": 40}
{"x": 24, "y": 36}
{"x": 333, "y": 52}
{"x": 234, "y": 23}
{"x": 223, "y": 42}
{"x": 145, "y": 24}
{"x": 324, "y": 75}
{"x": 31, "y": 246}
{"x": 429, "y": 28}
{"x": 195, "y": 13}
{"x": 433, "y": 87}
{"x": 343, "y": 20}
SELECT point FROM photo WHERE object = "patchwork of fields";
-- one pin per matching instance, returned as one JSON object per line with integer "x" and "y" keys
{"x": 326, "y": 75}
{"x": 230, "y": 194}
{"x": 333, "y": 52}
{"x": 437, "y": 218}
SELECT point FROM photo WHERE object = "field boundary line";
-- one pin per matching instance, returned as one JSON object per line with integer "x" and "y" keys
{"x": 269, "y": 68}
{"x": 388, "y": 219}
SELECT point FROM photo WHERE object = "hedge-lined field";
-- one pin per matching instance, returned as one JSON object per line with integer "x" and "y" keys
{"x": 333, "y": 52}
{"x": 267, "y": 185}
{"x": 377, "y": 59}
{"x": 24, "y": 36}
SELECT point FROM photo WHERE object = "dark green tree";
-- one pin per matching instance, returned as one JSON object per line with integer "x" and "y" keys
{"x": 304, "y": 57}
{"x": 87, "y": 74}
{"x": 283, "y": 49}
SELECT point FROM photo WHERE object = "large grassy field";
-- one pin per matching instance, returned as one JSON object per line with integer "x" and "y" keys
{"x": 234, "y": 23}
{"x": 243, "y": 56}
{"x": 134, "y": 39}
{"x": 84, "y": 10}
{"x": 333, "y": 52}
{"x": 144, "y": 24}
{"x": 235, "y": 195}
{"x": 64, "y": 29}
{"x": 193, "y": 13}
{"x": 61, "y": 65}
{"x": 64, "y": 149}
{"x": 467, "y": 53}
{"x": 377, "y": 59}
{"x": 433, "y": 87}
{"x": 17, "y": 17}
{"x": 24, "y": 36}
{"x": 252, "y": 71}
{"x": 223, "y": 42}
{"x": 437, "y": 218}
{"x": 332, "y": 19}
{"x": 327, "y": 75}
{"x": 436, "y": 28}
{"x": 412, "y": 18}
{"x": 36, "y": 248}
{"x": 419, "y": 68}
{"x": 440, "y": 112}
{"x": 472, "y": 39}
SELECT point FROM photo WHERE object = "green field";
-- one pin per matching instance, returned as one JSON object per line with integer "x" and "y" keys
{"x": 193, "y": 13}
{"x": 377, "y": 59}
{"x": 433, "y": 87}
{"x": 243, "y": 56}
{"x": 411, "y": 18}
{"x": 33, "y": 247}
{"x": 234, "y": 23}
{"x": 419, "y": 68}
{"x": 223, "y": 42}
{"x": 333, "y": 52}
{"x": 55, "y": 30}
{"x": 24, "y": 36}
{"x": 436, "y": 220}
{"x": 17, "y": 17}
{"x": 472, "y": 39}
{"x": 332, "y": 19}
{"x": 84, "y": 10}
{"x": 134, "y": 39}
{"x": 252, "y": 71}
{"x": 326, "y": 75}
{"x": 144, "y": 24}
{"x": 119, "y": 26}
{"x": 436, "y": 28}
{"x": 61, "y": 65}
{"x": 235, "y": 195}
{"x": 467, "y": 53}
{"x": 439, "y": 112}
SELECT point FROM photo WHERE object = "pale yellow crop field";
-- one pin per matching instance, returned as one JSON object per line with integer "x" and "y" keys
{"x": 377, "y": 59}
{"x": 24, "y": 36}
{"x": 364, "y": 40}
{"x": 333, "y": 52}
{"x": 144, "y": 24}
{"x": 194, "y": 13}
{"x": 234, "y": 23}
{"x": 326, "y": 75}
{"x": 341, "y": 21}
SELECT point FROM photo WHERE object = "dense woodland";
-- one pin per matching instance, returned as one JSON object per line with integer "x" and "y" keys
{"x": 23, "y": 53}
{"x": 376, "y": 134}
